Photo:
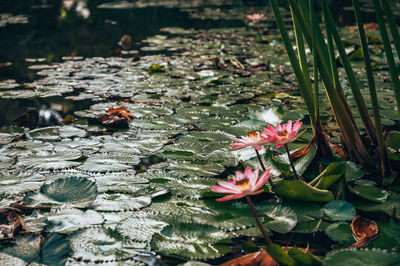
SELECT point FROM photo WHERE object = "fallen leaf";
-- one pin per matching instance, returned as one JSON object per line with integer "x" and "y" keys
{"x": 363, "y": 231}
{"x": 260, "y": 258}
{"x": 121, "y": 112}
{"x": 370, "y": 26}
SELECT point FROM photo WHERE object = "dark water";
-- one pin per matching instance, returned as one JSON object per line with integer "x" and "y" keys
{"x": 53, "y": 31}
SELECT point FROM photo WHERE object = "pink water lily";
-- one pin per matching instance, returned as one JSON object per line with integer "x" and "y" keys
{"x": 252, "y": 139}
{"x": 256, "y": 17}
{"x": 243, "y": 184}
{"x": 282, "y": 134}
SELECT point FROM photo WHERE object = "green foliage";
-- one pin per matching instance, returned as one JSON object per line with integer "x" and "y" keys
{"x": 192, "y": 241}
{"x": 299, "y": 190}
{"x": 280, "y": 255}
{"x": 360, "y": 257}
{"x": 339, "y": 210}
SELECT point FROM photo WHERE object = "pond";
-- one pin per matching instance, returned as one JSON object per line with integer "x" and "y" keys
{"x": 112, "y": 143}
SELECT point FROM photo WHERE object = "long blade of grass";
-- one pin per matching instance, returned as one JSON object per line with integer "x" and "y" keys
{"x": 305, "y": 88}
{"x": 372, "y": 89}
{"x": 388, "y": 52}
{"x": 392, "y": 25}
{"x": 355, "y": 87}
{"x": 350, "y": 135}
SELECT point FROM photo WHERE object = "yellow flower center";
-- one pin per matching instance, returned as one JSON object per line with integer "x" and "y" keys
{"x": 283, "y": 134}
{"x": 243, "y": 183}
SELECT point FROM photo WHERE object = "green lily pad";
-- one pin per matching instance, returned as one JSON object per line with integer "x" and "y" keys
{"x": 339, "y": 210}
{"x": 389, "y": 207}
{"x": 191, "y": 241}
{"x": 24, "y": 247}
{"x": 69, "y": 220}
{"x": 50, "y": 160}
{"x": 361, "y": 257}
{"x": 280, "y": 255}
{"x": 330, "y": 175}
{"x": 140, "y": 227}
{"x": 299, "y": 190}
{"x": 373, "y": 194}
{"x": 340, "y": 232}
{"x": 96, "y": 244}
{"x": 71, "y": 190}
{"x": 281, "y": 218}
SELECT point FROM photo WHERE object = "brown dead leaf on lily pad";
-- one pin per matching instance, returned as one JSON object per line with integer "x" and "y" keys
{"x": 115, "y": 118}
{"x": 370, "y": 26}
{"x": 363, "y": 231}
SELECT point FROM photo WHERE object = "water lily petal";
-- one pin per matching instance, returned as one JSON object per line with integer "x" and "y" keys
{"x": 231, "y": 197}
{"x": 219, "y": 189}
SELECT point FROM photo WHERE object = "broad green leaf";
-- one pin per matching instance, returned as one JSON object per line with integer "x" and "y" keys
{"x": 280, "y": 255}
{"x": 373, "y": 194}
{"x": 353, "y": 172}
{"x": 304, "y": 258}
{"x": 339, "y": 210}
{"x": 330, "y": 175}
{"x": 361, "y": 257}
{"x": 25, "y": 246}
{"x": 140, "y": 227}
{"x": 192, "y": 241}
{"x": 280, "y": 218}
{"x": 98, "y": 244}
{"x": 299, "y": 190}
{"x": 389, "y": 207}
{"x": 55, "y": 250}
{"x": 17, "y": 183}
{"x": 71, "y": 190}
{"x": 69, "y": 220}
{"x": 340, "y": 232}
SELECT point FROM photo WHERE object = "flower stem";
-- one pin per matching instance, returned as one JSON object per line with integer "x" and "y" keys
{"x": 267, "y": 239}
{"x": 259, "y": 32}
{"x": 291, "y": 162}
{"x": 263, "y": 167}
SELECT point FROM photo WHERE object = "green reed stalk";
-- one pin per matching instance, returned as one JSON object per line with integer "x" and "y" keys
{"x": 304, "y": 86}
{"x": 392, "y": 25}
{"x": 340, "y": 108}
{"x": 388, "y": 52}
{"x": 372, "y": 89}
{"x": 354, "y": 85}
{"x": 314, "y": 53}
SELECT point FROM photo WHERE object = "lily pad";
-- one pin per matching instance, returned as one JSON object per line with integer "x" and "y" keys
{"x": 71, "y": 190}
{"x": 339, "y": 210}
{"x": 191, "y": 241}
{"x": 360, "y": 257}
{"x": 299, "y": 190}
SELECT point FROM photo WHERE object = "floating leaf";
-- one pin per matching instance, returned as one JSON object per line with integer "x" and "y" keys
{"x": 298, "y": 190}
{"x": 71, "y": 190}
{"x": 339, "y": 210}
{"x": 50, "y": 160}
{"x": 14, "y": 183}
{"x": 373, "y": 194}
{"x": 192, "y": 241}
{"x": 25, "y": 246}
{"x": 155, "y": 68}
{"x": 340, "y": 232}
{"x": 280, "y": 255}
{"x": 330, "y": 175}
{"x": 140, "y": 227}
{"x": 256, "y": 258}
{"x": 360, "y": 257}
{"x": 55, "y": 250}
{"x": 68, "y": 220}
{"x": 102, "y": 163}
{"x": 120, "y": 202}
{"x": 98, "y": 245}
{"x": 282, "y": 218}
